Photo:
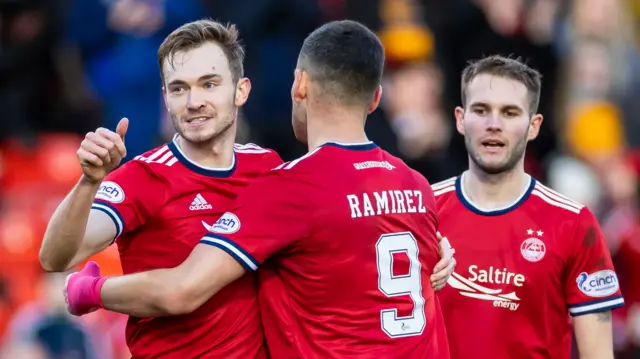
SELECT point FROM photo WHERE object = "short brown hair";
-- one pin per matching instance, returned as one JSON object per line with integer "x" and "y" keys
{"x": 195, "y": 34}
{"x": 506, "y": 67}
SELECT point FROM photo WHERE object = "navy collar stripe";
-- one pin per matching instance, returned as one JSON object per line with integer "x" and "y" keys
{"x": 211, "y": 172}
{"x": 353, "y": 146}
{"x": 496, "y": 212}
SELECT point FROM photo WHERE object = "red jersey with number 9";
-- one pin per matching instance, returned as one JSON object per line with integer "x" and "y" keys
{"x": 345, "y": 239}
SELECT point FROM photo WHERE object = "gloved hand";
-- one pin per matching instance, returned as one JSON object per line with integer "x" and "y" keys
{"x": 82, "y": 290}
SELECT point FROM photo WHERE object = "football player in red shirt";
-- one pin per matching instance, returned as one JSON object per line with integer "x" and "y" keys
{"x": 345, "y": 236}
{"x": 158, "y": 205}
{"x": 528, "y": 257}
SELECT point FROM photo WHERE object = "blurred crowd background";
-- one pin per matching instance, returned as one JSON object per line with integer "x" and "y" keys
{"x": 67, "y": 67}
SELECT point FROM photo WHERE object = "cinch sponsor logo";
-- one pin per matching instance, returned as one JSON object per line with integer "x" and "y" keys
{"x": 469, "y": 287}
{"x": 228, "y": 223}
{"x": 110, "y": 191}
{"x": 599, "y": 284}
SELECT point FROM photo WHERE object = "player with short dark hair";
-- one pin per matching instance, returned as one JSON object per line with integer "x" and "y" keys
{"x": 158, "y": 205}
{"x": 347, "y": 64}
{"x": 345, "y": 236}
{"x": 528, "y": 257}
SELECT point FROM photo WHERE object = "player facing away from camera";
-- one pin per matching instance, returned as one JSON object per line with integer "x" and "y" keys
{"x": 527, "y": 256}
{"x": 345, "y": 236}
{"x": 161, "y": 203}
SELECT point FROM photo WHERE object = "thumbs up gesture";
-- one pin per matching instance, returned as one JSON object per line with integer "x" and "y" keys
{"x": 102, "y": 151}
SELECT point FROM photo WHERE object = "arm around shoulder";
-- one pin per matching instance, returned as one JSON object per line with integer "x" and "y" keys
{"x": 75, "y": 231}
{"x": 260, "y": 223}
{"x": 95, "y": 213}
{"x": 172, "y": 291}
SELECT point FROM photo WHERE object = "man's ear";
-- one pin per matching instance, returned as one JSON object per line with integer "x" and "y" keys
{"x": 243, "y": 88}
{"x": 459, "y": 114}
{"x": 299, "y": 90}
{"x": 377, "y": 96}
{"x": 534, "y": 126}
{"x": 164, "y": 96}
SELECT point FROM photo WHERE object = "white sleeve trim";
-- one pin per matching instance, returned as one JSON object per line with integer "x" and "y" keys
{"x": 230, "y": 248}
{"x": 597, "y": 307}
{"x": 113, "y": 214}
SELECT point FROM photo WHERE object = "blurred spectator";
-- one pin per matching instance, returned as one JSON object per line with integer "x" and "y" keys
{"x": 413, "y": 82}
{"x": 47, "y": 330}
{"x": 29, "y": 95}
{"x": 469, "y": 29}
{"x": 118, "y": 42}
{"x": 272, "y": 32}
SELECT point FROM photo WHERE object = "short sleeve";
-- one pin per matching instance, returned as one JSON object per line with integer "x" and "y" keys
{"x": 130, "y": 195}
{"x": 268, "y": 217}
{"x": 591, "y": 284}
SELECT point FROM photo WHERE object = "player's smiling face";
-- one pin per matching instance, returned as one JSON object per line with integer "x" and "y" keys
{"x": 496, "y": 122}
{"x": 200, "y": 93}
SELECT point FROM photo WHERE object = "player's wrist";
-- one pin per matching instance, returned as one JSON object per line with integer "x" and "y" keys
{"x": 88, "y": 181}
{"x": 90, "y": 291}
{"x": 96, "y": 291}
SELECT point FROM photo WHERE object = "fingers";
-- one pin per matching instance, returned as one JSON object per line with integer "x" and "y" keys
{"x": 438, "y": 285}
{"x": 446, "y": 251}
{"x": 104, "y": 146}
{"x": 97, "y": 146}
{"x": 441, "y": 272}
{"x": 441, "y": 265}
{"x": 122, "y": 128}
{"x": 112, "y": 141}
{"x": 439, "y": 236}
{"x": 88, "y": 158}
{"x": 66, "y": 293}
{"x": 92, "y": 268}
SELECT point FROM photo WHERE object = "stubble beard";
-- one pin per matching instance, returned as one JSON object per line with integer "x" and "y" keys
{"x": 218, "y": 127}
{"x": 513, "y": 158}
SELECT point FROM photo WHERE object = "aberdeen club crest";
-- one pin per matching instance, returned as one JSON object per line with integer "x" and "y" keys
{"x": 533, "y": 248}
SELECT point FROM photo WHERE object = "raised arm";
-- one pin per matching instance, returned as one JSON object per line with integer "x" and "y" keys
{"x": 75, "y": 231}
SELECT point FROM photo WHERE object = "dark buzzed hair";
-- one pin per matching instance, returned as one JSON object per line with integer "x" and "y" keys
{"x": 501, "y": 66}
{"x": 345, "y": 59}
{"x": 195, "y": 34}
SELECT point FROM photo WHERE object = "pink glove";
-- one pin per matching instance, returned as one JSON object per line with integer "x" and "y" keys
{"x": 82, "y": 290}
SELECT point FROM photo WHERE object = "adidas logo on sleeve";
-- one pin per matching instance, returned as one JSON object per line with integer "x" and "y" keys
{"x": 199, "y": 203}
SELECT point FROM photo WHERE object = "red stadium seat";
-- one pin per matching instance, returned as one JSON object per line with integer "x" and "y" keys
{"x": 52, "y": 163}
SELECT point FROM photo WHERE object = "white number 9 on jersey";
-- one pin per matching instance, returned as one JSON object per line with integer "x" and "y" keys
{"x": 400, "y": 285}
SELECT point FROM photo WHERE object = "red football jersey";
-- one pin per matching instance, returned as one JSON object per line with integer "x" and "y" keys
{"x": 521, "y": 271}
{"x": 346, "y": 241}
{"x": 162, "y": 204}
